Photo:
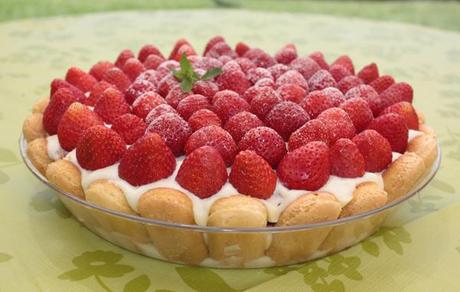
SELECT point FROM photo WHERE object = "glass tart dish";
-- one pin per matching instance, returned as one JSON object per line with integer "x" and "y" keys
{"x": 235, "y": 158}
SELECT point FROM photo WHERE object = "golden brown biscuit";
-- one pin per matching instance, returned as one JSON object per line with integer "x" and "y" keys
{"x": 291, "y": 247}
{"x": 426, "y": 147}
{"x": 367, "y": 196}
{"x": 65, "y": 176}
{"x": 40, "y": 105}
{"x": 105, "y": 194}
{"x": 426, "y": 129}
{"x": 37, "y": 152}
{"x": 402, "y": 175}
{"x": 33, "y": 127}
{"x": 421, "y": 117}
{"x": 237, "y": 211}
{"x": 174, "y": 244}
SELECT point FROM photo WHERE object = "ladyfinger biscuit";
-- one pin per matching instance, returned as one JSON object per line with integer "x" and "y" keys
{"x": 426, "y": 129}
{"x": 171, "y": 205}
{"x": 33, "y": 127}
{"x": 424, "y": 146}
{"x": 291, "y": 247}
{"x": 37, "y": 152}
{"x": 402, "y": 175}
{"x": 240, "y": 248}
{"x": 367, "y": 196}
{"x": 65, "y": 176}
{"x": 106, "y": 194}
{"x": 40, "y": 105}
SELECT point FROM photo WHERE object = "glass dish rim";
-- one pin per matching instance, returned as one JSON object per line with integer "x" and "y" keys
{"x": 211, "y": 229}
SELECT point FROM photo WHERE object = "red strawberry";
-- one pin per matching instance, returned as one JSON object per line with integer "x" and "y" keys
{"x": 375, "y": 149}
{"x": 393, "y": 127}
{"x": 98, "y": 70}
{"x": 167, "y": 84}
{"x": 313, "y": 130}
{"x": 111, "y": 105}
{"x": 240, "y": 123}
{"x": 184, "y": 49}
{"x": 80, "y": 79}
{"x": 137, "y": 88}
{"x": 76, "y": 119}
{"x": 234, "y": 80}
{"x": 266, "y": 142}
{"x": 58, "y": 104}
{"x": 158, "y": 111}
{"x": 306, "y": 66}
{"x": 153, "y": 61}
{"x": 203, "y": 118}
{"x": 338, "y": 123}
{"x": 122, "y": 57}
{"x": 292, "y": 77}
{"x": 264, "y": 101}
{"x": 305, "y": 168}
{"x": 291, "y": 92}
{"x": 369, "y": 73}
{"x": 320, "y": 100}
{"x": 396, "y": 93}
{"x": 382, "y": 83}
{"x": 148, "y": 50}
{"x": 359, "y": 112}
{"x": 146, "y": 161}
{"x": 191, "y": 104}
{"x": 407, "y": 111}
{"x": 165, "y": 68}
{"x": 175, "y": 95}
{"x": 346, "y": 62}
{"x": 132, "y": 68}
{"x": 221, "y": 49}
{"x": 213, "y": 136}
{"x": 99, "y": 147}
{"x": 173, "y": 129}
{"x": 116, "y": 77}
{"x": 256, "y": 74}
{"x": 203, "y": 172}
{"x": 176, "y": 47}
{"x": 206, "y": 88}
{"x": 151, "y": 76}
{"x": 320, "y": 80}
{"x": 241, "y": 48}
{"x": 348, "y": 82}
{"x": 251, "y": 175}
{"x": 318, "y": 57}
{"x": 254, "y": 91}
{"x": 129, "y": 127}
{"x": 214, "y": 40}
{"x": 260, "y": 58}
{"x": 338, "y": 72}
{"x": 286, "y": 55}
{"x": 96, "y": 92}
{"x": 369, "y": 94}
{"x": 229, "y": 106}
{"x": 286, "y": 117}
{"x": 59, "y": 83}
{"x": 147, "y": 102}
{"x": 225, "y": 59}
{"x": 245, "y": 64}
{"x": 346, "y": 160}
{"x": 278, "y": 70}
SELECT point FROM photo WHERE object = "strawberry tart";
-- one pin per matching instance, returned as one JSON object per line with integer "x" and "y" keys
{"x": 233, "y": 138}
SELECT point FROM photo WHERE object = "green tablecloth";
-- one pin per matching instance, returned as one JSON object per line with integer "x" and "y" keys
{"x": 43, "y": 248}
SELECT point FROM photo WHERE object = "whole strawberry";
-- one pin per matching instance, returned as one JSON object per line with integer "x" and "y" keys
{"x": 320, "y": 80}
{"x": 111, "y": 105}
{"x": 137, "y": 88}
{"x": 339, "y": 72}
{"x": 191, "y": 104}
{"x": 251, "y": 175}
{"x": 240, "y": 123}
{"x": 369, "y": 73}
{"x": 76, "y": 119}
{"x": 393, "y": 127}
{"x": 133, "y": 68}
{"x": 286, "y": 55}
{"x": 59, "y": 102}
{"x": 173, "y": 129}
{"x": 346, "y": 62}
{"x": 313, "y": 130}
{"x": 99, "y": 147}
{"x": 203, "y": 118}
{"x": 147, "y": 102}
{"x": 375, "y": 149}
{"x": 212, "y": 41}
{"x": 359, "y": 112}
{"x": 59, "y": 83}
{"x": 318, "y": 57}
{"x": 346, "y": 160}
{"x": 129, "y": 127}
{"x": 80, "y": 79}
{"x": 305, "y": 168}
{"x": 266, "y": 142}
{"x": 98, "y": 70}
{"x": 175, "y": 95}
{"x": 146, "y": 161}
{"x": 123, "y": 57}
{"x": 213, "y": 136}
{"x": 148, "y": 50}
{"x": 291, "y": 92}
{"x": 260, "y": 58}
{"x": 159, "y": 111}
{"x": 286, "y": 117}
{"x": 292, "y": 77}
{"x": 305, "y": 66}
{"x": 263, "y": 102}
{"x": 202, "y": 172}
{"x": 381, "y": 83}
{"x": 97, "y": 92}
{"x": 320, "y": 100}
{"x": 116, "y": 77}
{"x": 407, "y": 111}
{"x": 396, "y": 93}
{"x": 234, "y": 80}
{"x": 348, "y": 82}
{"x": 338, "y": 123}
{"x": 232, "y": 104}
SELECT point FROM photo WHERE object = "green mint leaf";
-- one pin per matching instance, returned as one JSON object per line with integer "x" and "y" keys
{"x": 211, "y": 73}
{"x": 178, "y": 74}
{"x": 185, "y": 65}
{"x": 186, "y": 85}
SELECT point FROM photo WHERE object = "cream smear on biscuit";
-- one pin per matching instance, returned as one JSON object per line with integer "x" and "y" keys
{"x": 341, "y": 188}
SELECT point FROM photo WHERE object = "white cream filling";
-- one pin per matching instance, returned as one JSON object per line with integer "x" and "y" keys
{"x": 341, "y": 188}
{"x": 55, "y": 151}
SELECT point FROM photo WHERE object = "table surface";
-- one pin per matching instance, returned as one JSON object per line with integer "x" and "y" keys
{"x": 43, "y": 248}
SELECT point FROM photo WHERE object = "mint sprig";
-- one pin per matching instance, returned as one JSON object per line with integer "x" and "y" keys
{"x": 188, "y": 77}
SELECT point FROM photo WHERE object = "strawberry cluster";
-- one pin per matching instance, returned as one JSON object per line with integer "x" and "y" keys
{"x": 294, "y": 118}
